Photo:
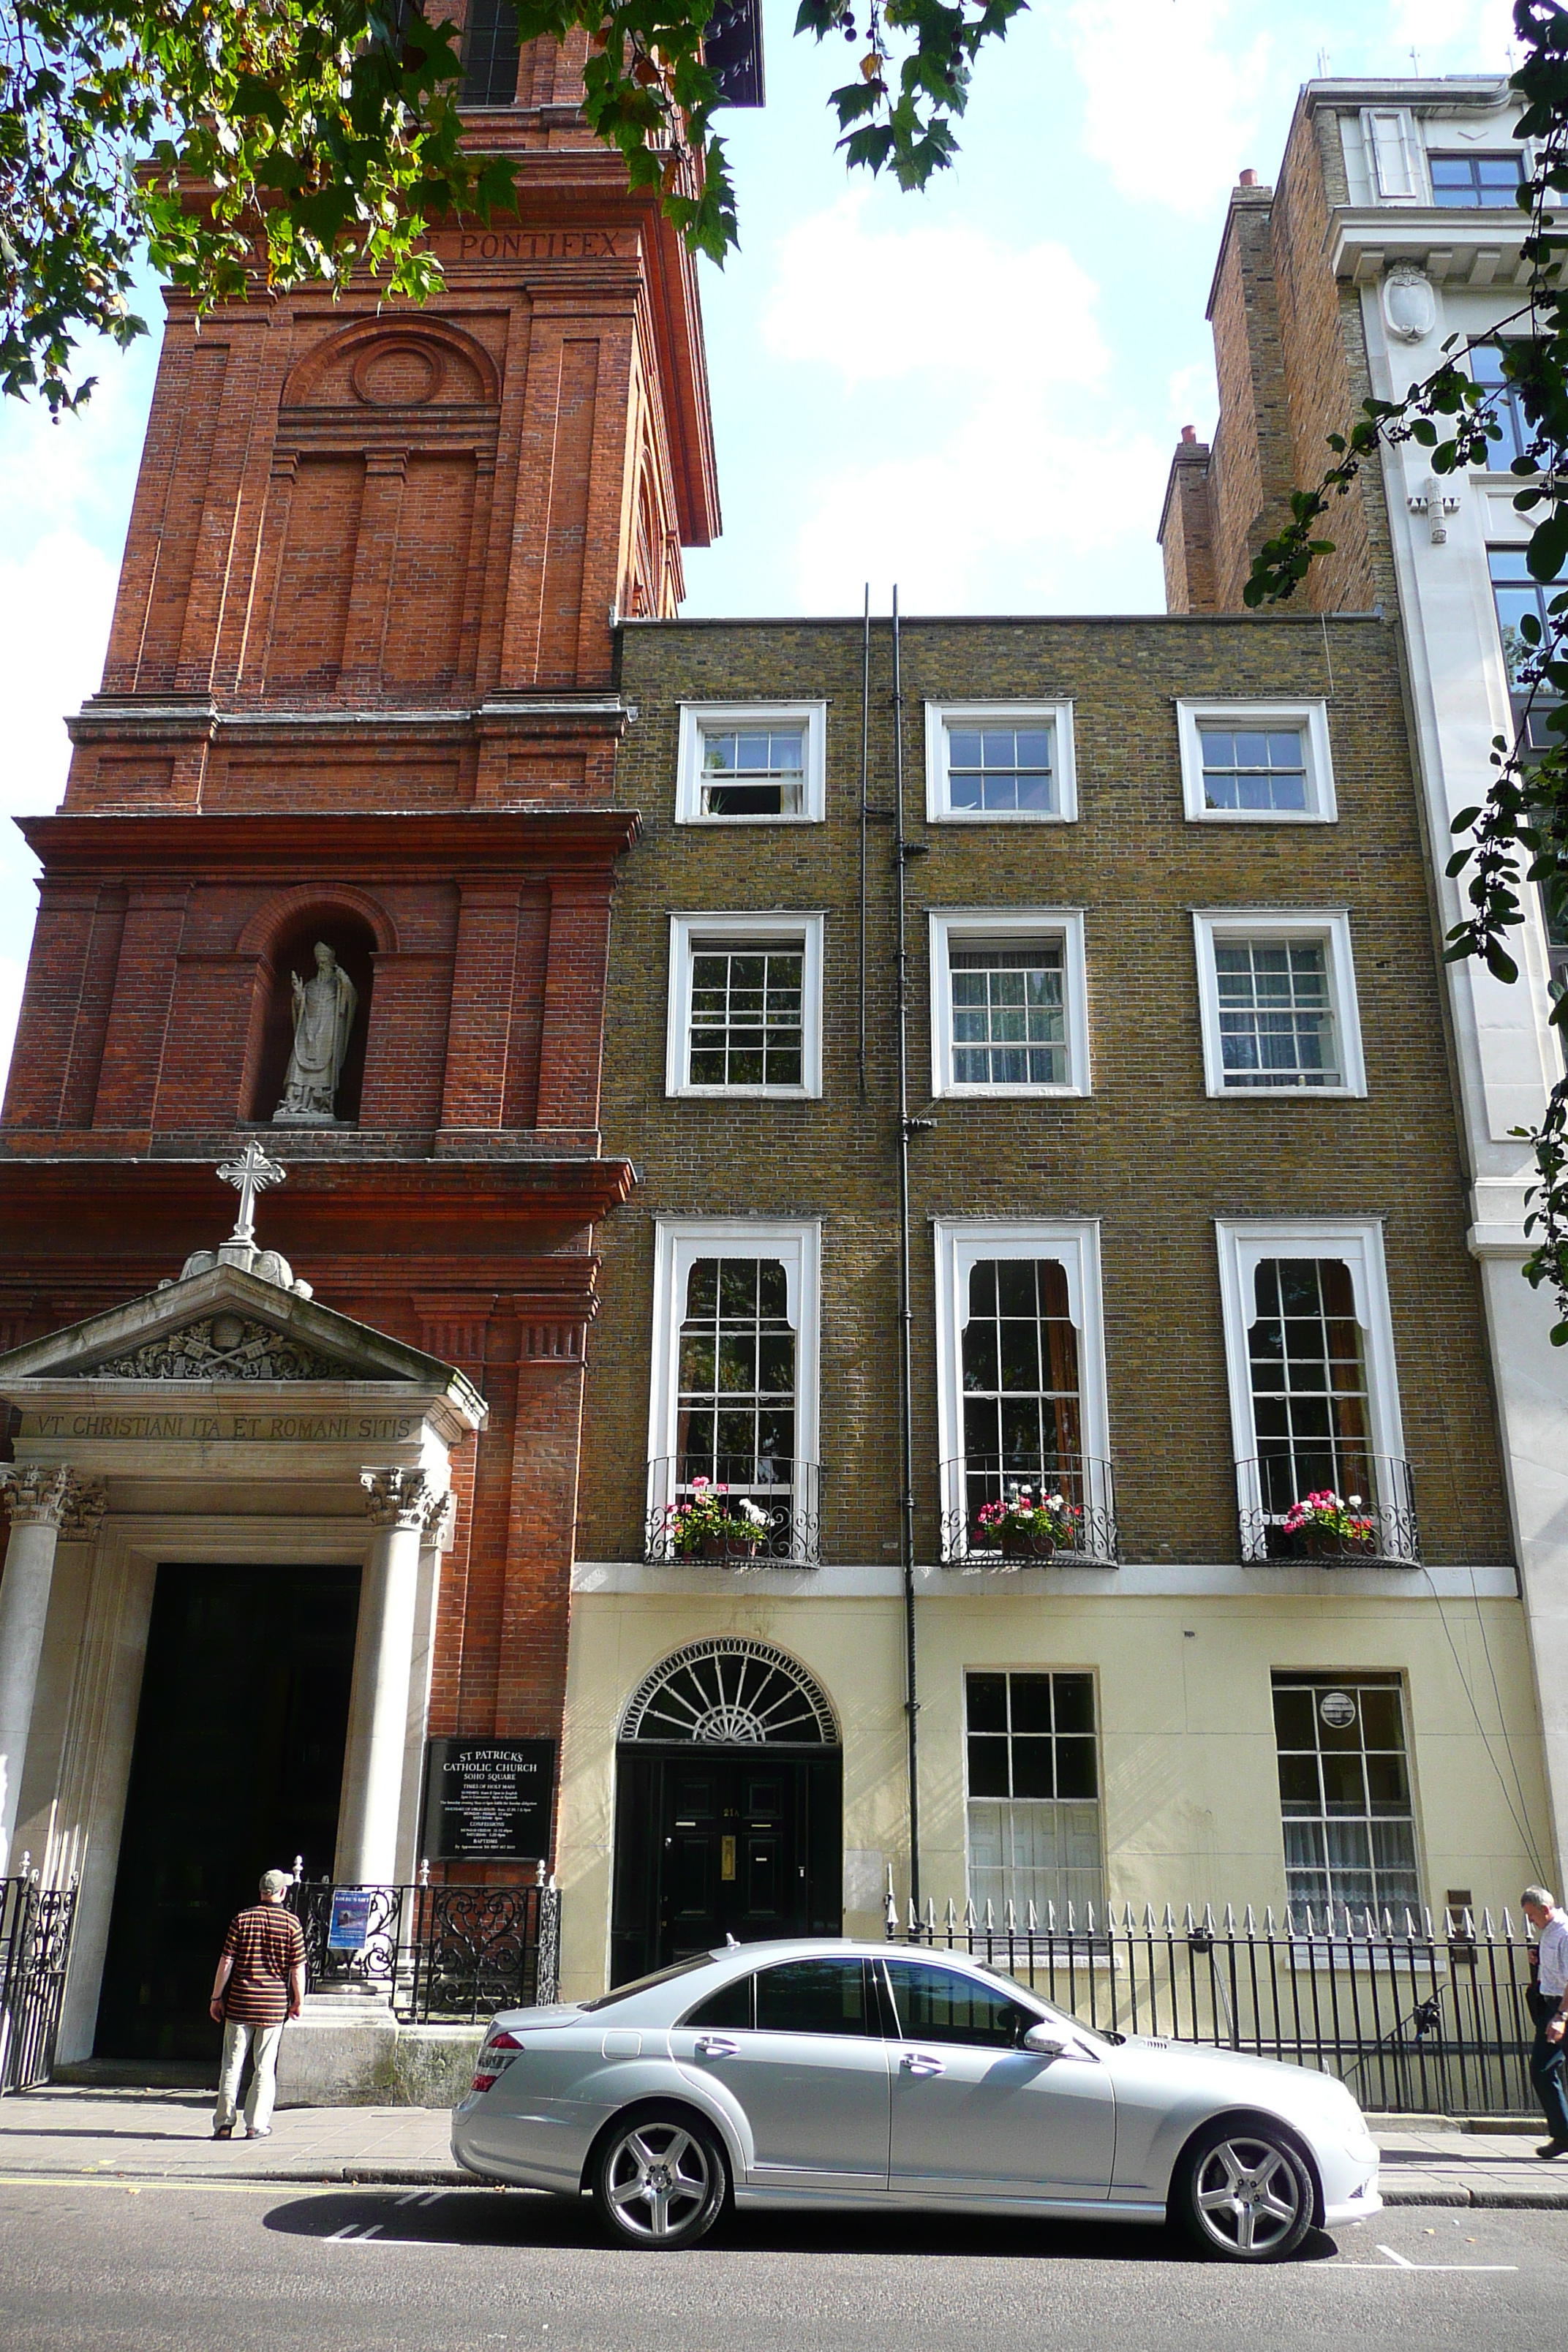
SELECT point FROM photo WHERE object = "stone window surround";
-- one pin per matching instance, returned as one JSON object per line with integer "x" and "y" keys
{"x": 1056, "y": 715}
{"x": 697, "y": 716}
{"x": 1310, "y": 715}
{"x": 985, "y": 927}
{"x": 959, "y": 1244}
{"x": 1330, "y": 927}
{"x": 678, "y": 1242}
{"x": 687, "y": 935}
{"x": 1357, "y": 1242}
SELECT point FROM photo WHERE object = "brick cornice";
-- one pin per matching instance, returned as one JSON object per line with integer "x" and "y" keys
{"x": 63, "y": 1209}
{"x": 414, "y": 843}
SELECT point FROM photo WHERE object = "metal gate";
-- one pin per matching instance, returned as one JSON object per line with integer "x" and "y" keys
{"x": 34, "y": 1946}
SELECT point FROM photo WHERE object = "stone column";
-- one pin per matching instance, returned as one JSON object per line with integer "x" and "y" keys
{"x": 41, "y": 1500}
{"x": 401, "y": 1505}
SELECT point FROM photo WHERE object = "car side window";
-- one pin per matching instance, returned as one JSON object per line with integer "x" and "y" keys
{"x": 812, "y": 1997}
{"x": 938, "y": 2004}
{"x": 728, "y": 2008}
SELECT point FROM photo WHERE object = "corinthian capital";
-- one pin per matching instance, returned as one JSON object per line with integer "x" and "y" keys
{"x": 401, "y": 1498}
{"x": 50, "y": 1494}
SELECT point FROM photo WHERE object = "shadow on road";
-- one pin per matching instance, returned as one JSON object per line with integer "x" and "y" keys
{"x": 523, "y": 2219}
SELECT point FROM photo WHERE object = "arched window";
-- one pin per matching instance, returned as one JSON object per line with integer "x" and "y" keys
{"x": 293, "y": 950}
{"x": 730, "y": 1694}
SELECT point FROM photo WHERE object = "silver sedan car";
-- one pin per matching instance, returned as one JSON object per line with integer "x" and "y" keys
{"x": 842, "y": 2073}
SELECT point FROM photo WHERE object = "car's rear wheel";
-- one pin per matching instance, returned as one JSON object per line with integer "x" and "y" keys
{"x": 1243, "y": 2193}
{"x": 660, "y": 2180}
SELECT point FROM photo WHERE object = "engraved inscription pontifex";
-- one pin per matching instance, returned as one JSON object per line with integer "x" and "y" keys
{"x": 226, "y": 1347}
{"x": 325, "y": 1011}
{"x": 402, "y": 1498}
{"x": 48, "y": 1494}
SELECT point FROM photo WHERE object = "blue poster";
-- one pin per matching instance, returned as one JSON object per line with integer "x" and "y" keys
{"x": 349, "y": 1928}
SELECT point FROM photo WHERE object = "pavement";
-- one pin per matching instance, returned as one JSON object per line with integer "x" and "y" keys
{"x": 66, "y": 2132}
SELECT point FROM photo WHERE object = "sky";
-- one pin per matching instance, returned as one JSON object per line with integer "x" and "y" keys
{"x": 972, "y": 392}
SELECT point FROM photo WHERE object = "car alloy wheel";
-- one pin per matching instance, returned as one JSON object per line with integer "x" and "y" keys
{"x": 661, "y": 2181}
{"x": 1244, "y": 2194}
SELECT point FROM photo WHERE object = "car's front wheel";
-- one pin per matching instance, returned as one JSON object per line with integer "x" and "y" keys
{"x": 1243, "y": 2192}
{"x": 660, "y": 2180}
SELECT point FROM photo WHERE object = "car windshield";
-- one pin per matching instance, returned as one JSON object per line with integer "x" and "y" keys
{"x": 646, "y": 1984}
{"x": 1053, "y": 2016}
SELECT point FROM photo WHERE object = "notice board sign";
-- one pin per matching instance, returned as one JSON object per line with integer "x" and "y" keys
{"x": 489, "y": 1799}
{"x": 348, "y": 1930}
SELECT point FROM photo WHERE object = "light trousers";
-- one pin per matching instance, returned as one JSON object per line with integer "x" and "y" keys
{"x": 237, "y": 2040}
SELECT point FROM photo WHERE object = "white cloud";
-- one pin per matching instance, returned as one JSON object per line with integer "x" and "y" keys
{"x": 1000, "y": 474}
{"x": 1173, "y": 97}
{"x": 11, "y": 975}
{"x": 56, "y": 602}
{"x": 877, "y": 305}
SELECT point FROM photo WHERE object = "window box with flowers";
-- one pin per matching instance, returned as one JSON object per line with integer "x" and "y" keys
{"x": 1326, "y": 1526}
{"x": 709, "y": 1525}
{"x": 1026, "y": 1526}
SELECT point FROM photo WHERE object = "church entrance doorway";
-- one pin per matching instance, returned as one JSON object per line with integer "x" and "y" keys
{"x": 729, "y": 1808}
{"x": 237, "y": 1767}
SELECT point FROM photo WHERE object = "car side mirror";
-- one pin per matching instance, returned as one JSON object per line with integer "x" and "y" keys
{"x": 1043, "y": 2041}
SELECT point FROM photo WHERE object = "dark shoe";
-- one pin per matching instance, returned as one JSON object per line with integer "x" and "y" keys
{"x": 1553, "y": 2147}
{"x": 223, "y": 2131}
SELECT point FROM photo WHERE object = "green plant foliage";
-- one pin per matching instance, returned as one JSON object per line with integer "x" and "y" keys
{"x": 237, "y": 140}
{"x": 1517, "y": 837}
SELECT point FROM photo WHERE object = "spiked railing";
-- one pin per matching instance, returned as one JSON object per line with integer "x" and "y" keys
{"x": 1412, "y": 2019}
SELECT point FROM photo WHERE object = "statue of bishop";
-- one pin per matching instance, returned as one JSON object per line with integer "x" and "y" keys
{"x": 325, "y": 1011}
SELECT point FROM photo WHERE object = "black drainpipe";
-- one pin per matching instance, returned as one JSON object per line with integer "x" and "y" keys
{"x": 864, "y": 789}
{"x": 903, "y": 850}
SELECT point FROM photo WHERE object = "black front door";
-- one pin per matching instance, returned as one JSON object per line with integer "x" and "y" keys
{"x": 716, "y": 1841}
{"x": 237, "y": 1768}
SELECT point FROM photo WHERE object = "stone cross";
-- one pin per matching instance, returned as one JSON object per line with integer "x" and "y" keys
{"x": 250, "y": 1175}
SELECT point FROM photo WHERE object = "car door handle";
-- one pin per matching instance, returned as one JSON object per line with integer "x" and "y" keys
{"x": 915, "y": 2061}
{"x": 716, "y": 2045}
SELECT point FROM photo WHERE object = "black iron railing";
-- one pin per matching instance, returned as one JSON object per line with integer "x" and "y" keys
{"x": 1374, "y": 1527}
{"x": 438, "y": 1953}
{"x": 737, "y": 1511}
{"x": 35, "y": 1947}
{"x": 983, "y": 1498}
{"x": 1412, "y": 2019}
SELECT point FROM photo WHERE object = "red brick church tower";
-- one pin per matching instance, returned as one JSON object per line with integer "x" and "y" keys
{"x": 361, "y": 691}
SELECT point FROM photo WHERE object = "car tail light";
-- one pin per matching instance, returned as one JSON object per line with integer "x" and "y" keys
{"x": 494, "y": 2059}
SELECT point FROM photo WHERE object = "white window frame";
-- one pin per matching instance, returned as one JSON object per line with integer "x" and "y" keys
{"x": 1330, "y": 925}
{"x": 1357, "y": 1242}
{"x": 687, "y": 935}
{"x": 960, "y": 1244}
{"x": 1058, "y": 715}
{"x": 1404, "y": 183}
{"x": 1311, "y": 717}
{"x": 696, "y": 717}
{"x": 677, "y": 1242}
{"x": 980, "y": 927}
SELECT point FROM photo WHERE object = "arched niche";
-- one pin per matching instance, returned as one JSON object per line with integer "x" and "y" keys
{"x": 290, "y": 948}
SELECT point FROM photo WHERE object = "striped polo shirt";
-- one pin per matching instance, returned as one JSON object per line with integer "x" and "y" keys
{"x": 263, "y": 1943}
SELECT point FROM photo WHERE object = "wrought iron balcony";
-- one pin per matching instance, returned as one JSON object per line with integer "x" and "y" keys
{"x": 1342, "y": 1509}
{"x": 736, "y": 1512}
{"x": 982, "y": 1525}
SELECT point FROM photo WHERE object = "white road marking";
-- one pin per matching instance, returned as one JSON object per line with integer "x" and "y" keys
{"x": 1397, "y": 2258}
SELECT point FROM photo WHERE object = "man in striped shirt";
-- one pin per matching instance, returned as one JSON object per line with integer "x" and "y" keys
{"x": 260, "y": 1984}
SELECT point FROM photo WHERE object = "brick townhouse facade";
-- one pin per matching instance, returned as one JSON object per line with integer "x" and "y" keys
{"x": 360, "y": 692}
{"x": 1391, "y": 239}
{"x": 1185, "y": 1243}
{"x": 605, "y": 1208}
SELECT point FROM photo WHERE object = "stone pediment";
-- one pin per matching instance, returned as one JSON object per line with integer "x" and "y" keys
{"x": 224, "y": 1326}
{"x": 221, "y": 1347}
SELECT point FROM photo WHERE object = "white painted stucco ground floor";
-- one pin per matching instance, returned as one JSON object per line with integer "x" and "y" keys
{"x": 1139, "y": 1735}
